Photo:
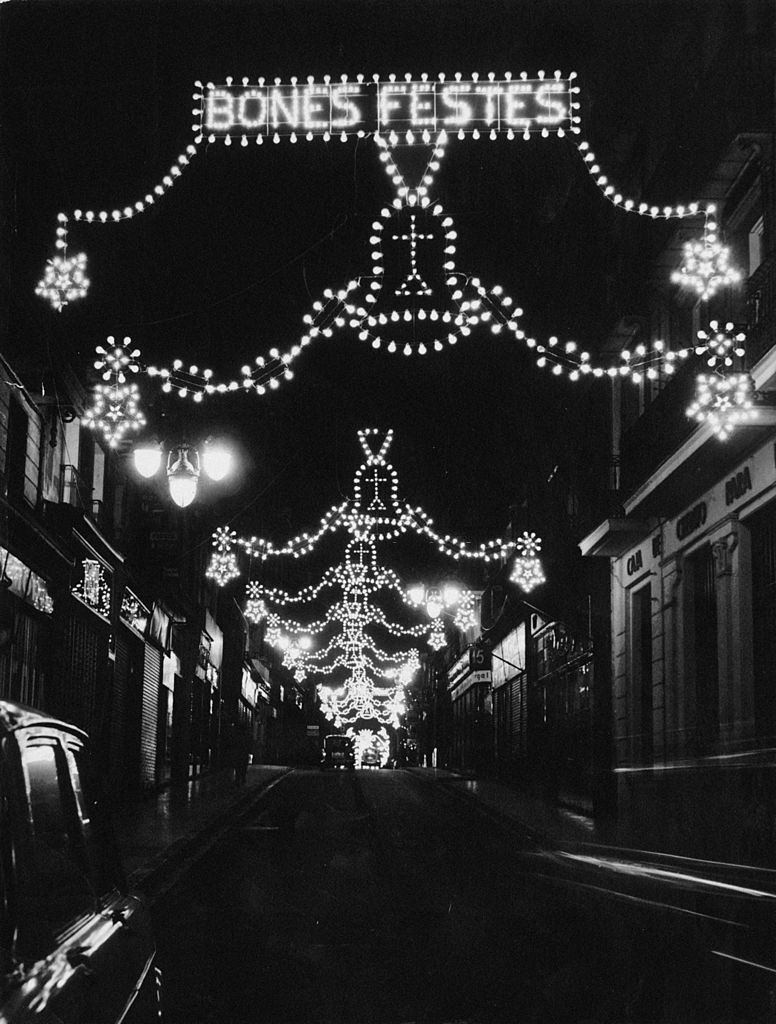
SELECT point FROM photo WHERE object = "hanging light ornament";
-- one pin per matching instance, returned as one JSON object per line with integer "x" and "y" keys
{"x": 115, "y": 409}
{"x": 223, "y": 563}
{"x": 64, "y": 279}
{"x": 723, "y": 401}
{"x": 706, "y": 264}
{"x": 255, "y": 608}
{"x": 527, "y": 571}
{"x": 721, "y": 344}
{"x": 436, "y": 635}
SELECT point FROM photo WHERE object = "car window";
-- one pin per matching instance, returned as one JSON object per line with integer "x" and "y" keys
{"x": 59, "y": 870}
{"x": 99, "y": 843}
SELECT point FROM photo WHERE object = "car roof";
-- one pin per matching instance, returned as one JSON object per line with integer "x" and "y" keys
{"x": 18, "y": 716}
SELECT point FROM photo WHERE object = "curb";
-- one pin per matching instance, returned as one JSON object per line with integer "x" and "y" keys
{"x": 162, "y": 872}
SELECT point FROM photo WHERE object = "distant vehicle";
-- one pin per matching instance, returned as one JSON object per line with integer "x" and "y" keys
{"x": 75, "y": 947}
{"x": 371, "y": 758}
{"x": 338, "y": 752}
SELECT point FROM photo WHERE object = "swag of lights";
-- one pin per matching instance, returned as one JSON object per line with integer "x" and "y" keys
{"x": 414, "y": 317}
{"x": 351, "y": 649}
{"x": 375, "y": 511}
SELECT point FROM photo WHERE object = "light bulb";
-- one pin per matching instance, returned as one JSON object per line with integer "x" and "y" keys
{"x": 147, "y": 460}
{"x": 216, "y": 460}
{"x": 183, "y": 490}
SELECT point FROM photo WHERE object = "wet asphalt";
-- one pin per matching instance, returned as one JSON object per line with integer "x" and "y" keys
{"x": 380, "y": 898}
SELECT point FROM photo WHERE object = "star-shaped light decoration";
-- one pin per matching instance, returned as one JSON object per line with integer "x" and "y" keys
{"x": 723, "y": 401}
{"x": 223, "y": 562}
{"x": 64, "y": 280}
{"x": 255, "y": 608}
{"x": 527, "y": 571}
{"x": 115, "y": 409}
{"x": 436, "y": 635}
{"x": 706, "y": 265}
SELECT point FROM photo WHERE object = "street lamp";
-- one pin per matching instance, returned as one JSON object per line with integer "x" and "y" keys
{"x": 437, "y": 601}
{"x": 184, "y": 465}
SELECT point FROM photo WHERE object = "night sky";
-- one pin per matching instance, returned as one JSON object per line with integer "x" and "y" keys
{"x": 97, "y": 105}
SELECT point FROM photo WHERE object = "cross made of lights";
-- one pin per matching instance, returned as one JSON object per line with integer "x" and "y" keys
{"x": 377, "y": 501}
{"x": 413, "y": 277}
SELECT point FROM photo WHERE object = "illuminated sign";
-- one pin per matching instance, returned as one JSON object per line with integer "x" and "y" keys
{"x": 471, "y": 106}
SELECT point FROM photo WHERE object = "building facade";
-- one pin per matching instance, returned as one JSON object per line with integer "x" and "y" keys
{"x": 690, "y": 546}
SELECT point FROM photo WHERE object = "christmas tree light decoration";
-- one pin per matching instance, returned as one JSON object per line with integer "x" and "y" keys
{"x": 723, "y": 402}
{"x": 527, "y": 571}
{"x": 64, "y": 280}
{"x": 115, "y": 410}
{"x": 706, "y": 265}
{"x": 94, "y": 587}
{"x": 721, "y": 344}
{"x": 223, "y": 561}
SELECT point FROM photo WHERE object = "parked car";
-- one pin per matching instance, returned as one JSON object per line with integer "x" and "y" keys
{"x": 338, "y": 752}
{"x": 75, "y": 946}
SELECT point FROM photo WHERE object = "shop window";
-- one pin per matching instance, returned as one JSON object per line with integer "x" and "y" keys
{"x": 641, "y": 661}
{"x": 704, "y": 641}
{"x": 763, "y": 533}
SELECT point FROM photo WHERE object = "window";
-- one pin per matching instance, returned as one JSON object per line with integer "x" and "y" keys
{"x": 755, "y": 245}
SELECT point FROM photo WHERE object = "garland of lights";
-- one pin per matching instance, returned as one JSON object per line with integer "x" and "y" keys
{"x": 350, "y": 649}
{"x": 422, "y": 112}
{"x": 374, "y": 513}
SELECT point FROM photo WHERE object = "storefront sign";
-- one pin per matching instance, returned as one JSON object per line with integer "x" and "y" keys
{"x": 634, "y": 563}
{"x": 738, "y": 485}
{"x": 364, "y": 107}
{"x": 692, "y": 520}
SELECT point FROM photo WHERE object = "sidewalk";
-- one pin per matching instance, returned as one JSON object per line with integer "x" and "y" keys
{"x": 158, "y": 830}
{"x": 543, "y": 822}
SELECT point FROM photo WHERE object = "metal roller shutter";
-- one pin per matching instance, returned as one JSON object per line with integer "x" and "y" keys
{"x": 149, "y": 727}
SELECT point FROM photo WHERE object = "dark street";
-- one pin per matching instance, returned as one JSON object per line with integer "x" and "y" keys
{"x": 385, "y": 897}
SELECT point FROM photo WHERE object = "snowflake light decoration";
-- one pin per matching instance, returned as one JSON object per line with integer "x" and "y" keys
{"x": 706, "y": 265}
{"x": 115, "y": 410}
{"x": 723, "y": 402}
{"x": 721, "y": 345}
{"x": 527, "y": 571}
